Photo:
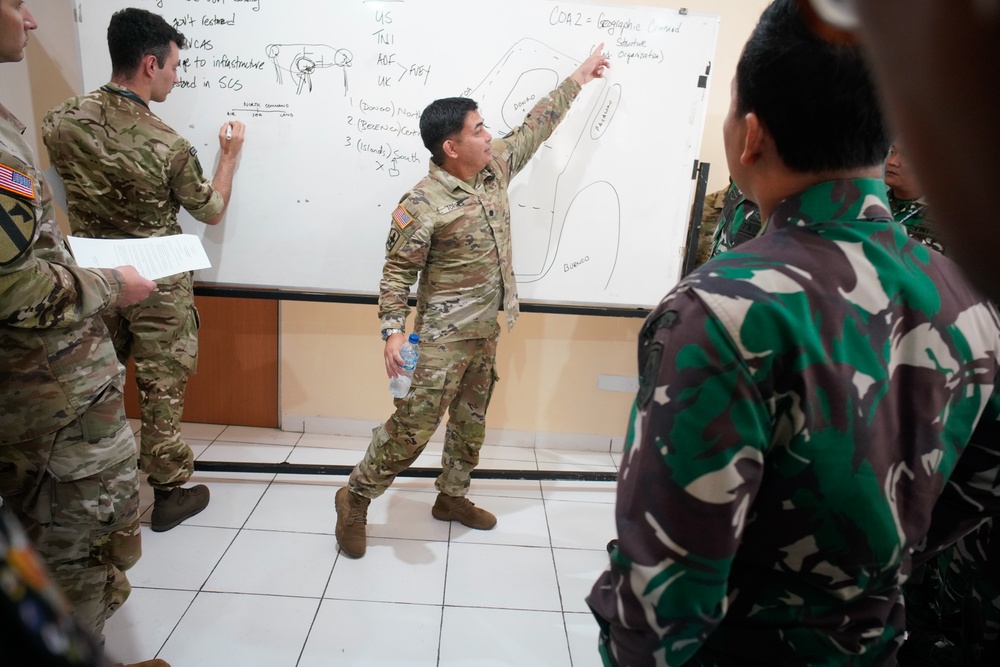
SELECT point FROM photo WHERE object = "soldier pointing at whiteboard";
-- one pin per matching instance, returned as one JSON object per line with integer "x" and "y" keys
{"x": 126, "y": 175}
{"x": 452, "y": 231}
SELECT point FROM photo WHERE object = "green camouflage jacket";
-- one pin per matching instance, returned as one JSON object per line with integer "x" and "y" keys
{"x": 55, "y": 355}
{"x": 803, "y": 401}
{"x": 739, "y": 221}
{"x": 457, "y": 237}
{"x": 126, "y": 172}
{"x": 913, "y": 214}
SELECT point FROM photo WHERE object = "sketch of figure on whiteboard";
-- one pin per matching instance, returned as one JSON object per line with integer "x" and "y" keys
{"x": 302, "y": 60}
{"x": 547, "y": 243}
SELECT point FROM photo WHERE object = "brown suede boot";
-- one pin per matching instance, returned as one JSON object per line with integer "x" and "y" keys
{"x": 352, "y": 517}
{"x": 450, "y": 508}
{"x": 171, "y": 506}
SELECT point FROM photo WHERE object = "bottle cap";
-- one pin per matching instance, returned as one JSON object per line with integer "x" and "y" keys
{"x": 414, "y": 338}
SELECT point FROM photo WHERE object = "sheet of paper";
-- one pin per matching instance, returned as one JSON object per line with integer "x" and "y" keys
{"x": 153, "y": 258}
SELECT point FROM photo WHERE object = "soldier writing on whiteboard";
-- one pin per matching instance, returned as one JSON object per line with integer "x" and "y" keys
{"x": 453, "y": 231}
{"x": 67, "y": 454}
{"x": 126, "y": 175}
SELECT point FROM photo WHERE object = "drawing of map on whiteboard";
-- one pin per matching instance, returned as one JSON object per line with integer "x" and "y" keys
{"x": 560, "y": 190}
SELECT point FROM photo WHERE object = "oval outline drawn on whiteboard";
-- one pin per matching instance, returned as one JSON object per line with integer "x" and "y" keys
{"x": 606, "y": 112}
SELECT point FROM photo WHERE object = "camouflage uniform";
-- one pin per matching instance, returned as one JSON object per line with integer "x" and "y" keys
{"x": 67, "y": 454}
{"x": 739, "y": 222}
{"x": 456, "y": 236}
{"x": 710, "y": 217}
{"x": 913, "y": 214}
{"x": 126, "y": 175}
{"x": 802, "y": 403}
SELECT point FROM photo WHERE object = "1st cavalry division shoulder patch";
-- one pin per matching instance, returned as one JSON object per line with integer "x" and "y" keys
{"x": 402, "y": 218}
{"x": 17, "y": 227}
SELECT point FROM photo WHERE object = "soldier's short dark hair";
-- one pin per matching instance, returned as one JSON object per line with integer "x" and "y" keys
{"x": 816, "y": 99}
{"x": 135, "y": 33}
{"x": 441, "y": 120}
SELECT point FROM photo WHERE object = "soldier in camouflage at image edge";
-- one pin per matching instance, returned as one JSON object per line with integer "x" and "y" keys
{"x": 67, "y": 454}
{"x": 126, "y": 175}
{"x": 739, "y": 222}
{"x": 710, "y": 212}
{"x": 803, "y": 403}
{"x": 906, "y": 199}
{"x": 453, "y": 230}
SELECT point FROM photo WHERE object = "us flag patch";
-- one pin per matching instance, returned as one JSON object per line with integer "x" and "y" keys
{"x": 16, "y": 182}
{"x": 401, "y": 217}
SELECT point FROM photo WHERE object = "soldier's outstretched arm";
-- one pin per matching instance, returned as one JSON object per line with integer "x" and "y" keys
{"x": 592, "y": 68}
{"x": 231, "y": 137}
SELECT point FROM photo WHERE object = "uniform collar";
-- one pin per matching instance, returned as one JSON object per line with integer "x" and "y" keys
{"x": 452, "y": 183}
{"x": 12, "y": 119}
{"x": 848, "y": 199}
{"x": 122, "y": 91}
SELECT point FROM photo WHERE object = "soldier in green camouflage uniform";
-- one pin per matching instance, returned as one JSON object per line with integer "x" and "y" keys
{"x": 805, "y": 399}
{"x": 67, "y": 454}
{"x": 126, "y": 175}
{"x": 907, "y": 201}
{"x": 738, "y": 222}
{"x": 453, "y": 230}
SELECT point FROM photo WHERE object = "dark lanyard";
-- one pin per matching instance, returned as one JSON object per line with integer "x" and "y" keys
{"x": 126, "y": 93}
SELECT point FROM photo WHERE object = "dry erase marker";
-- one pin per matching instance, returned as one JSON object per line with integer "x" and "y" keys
{"x": 229, "y": 131}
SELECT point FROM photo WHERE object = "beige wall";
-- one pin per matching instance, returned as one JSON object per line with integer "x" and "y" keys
{"x": 331, "y": 355}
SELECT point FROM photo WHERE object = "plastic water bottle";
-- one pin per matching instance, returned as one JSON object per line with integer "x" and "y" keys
{"x": 399, "y": 386}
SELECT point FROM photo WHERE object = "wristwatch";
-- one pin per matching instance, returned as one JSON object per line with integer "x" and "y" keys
{"x": 388, "y": 332}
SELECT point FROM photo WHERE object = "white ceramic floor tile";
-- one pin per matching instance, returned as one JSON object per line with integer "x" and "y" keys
{"x": 508, "y": 453}
{"x": 509, "y": 488}
{"x": 577, "y": 570}
{"x": 520, "y": 522}
{"x": 579, "y": 491}
{"x": 336, "y": 481}
{"x": 580, "y": 525}
{"x": 350, "y": 442}
{"x": 301, "y": 508}
{"x": 323, "y": 456}
{"x": 181, "y": 558}
{"x": 372, "y": 634}
{"x": 262, "y": 436}
{"x": 583, "y": 631}
{"x": 246, "y": 452}
{"x": 196, "y": 431}
{"x": 569, "y": 457}
{"x": 269, "y": 563}
{"x": 138, "y": 630}
{"x": 502, "y": 637}
{"x": 501, "y": 576}
{"x": 410, "y": 571}
{"x": 198, "y": 447}
{"x": 244, "y": 630}
{"x": 405, "y": 515}
{"x": 233, "y": 498}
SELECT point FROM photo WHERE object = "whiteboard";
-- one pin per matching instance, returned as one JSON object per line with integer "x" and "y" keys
{"x": 331, "y": 92}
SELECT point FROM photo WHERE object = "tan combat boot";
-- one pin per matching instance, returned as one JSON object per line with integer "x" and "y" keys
{"x": 352, "y": 517}
{"x": 156, "y": 662}
{"x": 450, "y": 508}
{"x": 171, "y": 506}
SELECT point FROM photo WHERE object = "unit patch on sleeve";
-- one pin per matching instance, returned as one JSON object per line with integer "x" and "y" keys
{"x": 17, "y": 227}
{"x": 16, "y": 182}
{"x": 401, "y": 217}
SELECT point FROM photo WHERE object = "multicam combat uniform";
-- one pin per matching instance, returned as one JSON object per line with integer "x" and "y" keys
{"x": 802, "y": 403}
{"x": 711, "y": 214}
{"x": 67, "y": 455}
{"x": 127, "y": 174}
{"x": 912, "y": 214}
{"x": 456, "y": 236}
{"x": 739, "y": 222}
